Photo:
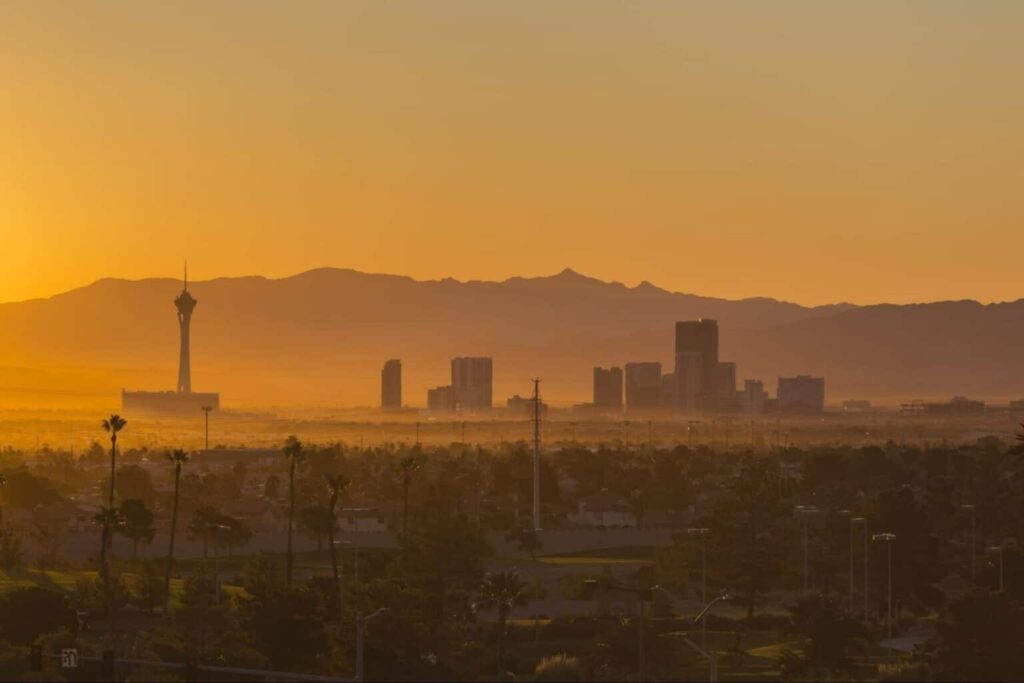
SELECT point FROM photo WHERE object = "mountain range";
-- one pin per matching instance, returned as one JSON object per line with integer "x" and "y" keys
{"x": 320, "y": 338}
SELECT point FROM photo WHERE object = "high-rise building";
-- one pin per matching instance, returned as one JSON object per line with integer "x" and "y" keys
{"x": 608, "y": 389}
{"x": 801, "y": 394}
{"x": 391, "y": 385}
{"x": 472, "y": 381}
{"x": 696, "y": 364}
{"x": 754, "y": 396}
{"x": 643, "y": 386}
{"x": 725, "y": 387}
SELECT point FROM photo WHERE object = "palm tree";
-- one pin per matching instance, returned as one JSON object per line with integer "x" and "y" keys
{"x": 112, "y": 425}
{"x": 501, "y": 591}
{"x": 293, "y": 451}
{"x": 336, "y": 485}
{"x": 109, "y": 519}
{"x": 176, "y": 458}
{"x": 3, "y": 483}
{"x": 407, "y": 466}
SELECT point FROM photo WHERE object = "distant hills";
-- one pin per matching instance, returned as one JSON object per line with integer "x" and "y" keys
{"x": 320, "y": 337}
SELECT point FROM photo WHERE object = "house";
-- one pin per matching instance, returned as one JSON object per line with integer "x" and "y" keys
{"x": 604, "y": 510}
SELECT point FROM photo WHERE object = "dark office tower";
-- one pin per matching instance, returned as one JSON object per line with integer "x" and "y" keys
{"x": 801, "y": 394}
{"x": 391, "y": 385}
{"x": 185, "y": 305}
{"x": 643, "y": 386}
{"x": 696, "y": 364}
{"x": 472, "y": 382}
{"x": 608, "y": 389}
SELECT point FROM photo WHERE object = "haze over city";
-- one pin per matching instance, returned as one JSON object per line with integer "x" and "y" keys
{"x": 347, "y": 340}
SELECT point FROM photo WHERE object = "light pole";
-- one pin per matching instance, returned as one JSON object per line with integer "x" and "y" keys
{"x": 864, "y": 522}
{"x": 338, "y": 545}
{"x": 361, "y": 623}
{"x": 702, "y": 532}
{"x": 888, "y": 538}
{"x": 997, "y": 550}
{"x": 206, "y": 413}
{"x": 847, "y": 513}
{"x": 641, "y": 594}
{"x": 217, "y": 529}
{"x": 805, "y": 512}
{"x": 356, "y": 515}
{"x": 970, "y": 508}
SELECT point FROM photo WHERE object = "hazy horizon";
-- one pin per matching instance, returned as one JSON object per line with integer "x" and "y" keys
{"x": 811, "y": 152}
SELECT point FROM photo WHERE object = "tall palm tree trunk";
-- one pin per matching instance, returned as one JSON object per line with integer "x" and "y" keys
{"x": 291, "y": 515}
{"x": 334, "y": 564}
{"x": 113, "y": 464}
{"x": 170, "y": 549}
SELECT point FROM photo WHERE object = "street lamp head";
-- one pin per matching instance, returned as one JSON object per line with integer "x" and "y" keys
{"x": 883, "y": 537}
{"x": 994, "y": 549}
{"x": 698, "y": 531}
{"x": 966, "y": 506}
{"x": 858, "y": 520}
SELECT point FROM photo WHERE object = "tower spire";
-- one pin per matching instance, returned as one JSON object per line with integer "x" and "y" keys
{"x": 186, "y": 275}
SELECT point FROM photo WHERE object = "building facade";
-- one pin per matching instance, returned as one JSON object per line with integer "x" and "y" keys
{"x": 391, "y": 385}
{"x": 608, "y": 389}
{"x": 472, "y": 381}
{"x": 643, "y": 386}
{"x": 801, "y": 394}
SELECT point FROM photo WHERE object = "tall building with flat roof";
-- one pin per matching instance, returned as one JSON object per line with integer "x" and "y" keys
{"x": 472, "y": 381}
{"x": 608, "y": 389}
{"x": 391, "y": 385}
{"x": 696, "y": 364}
{"x": 754, "y": 396}
{"x": 643, "y": 386}
{"x": 801, "y": 394}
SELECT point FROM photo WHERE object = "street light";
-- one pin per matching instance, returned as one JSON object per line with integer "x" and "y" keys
{"x": 888, "y": 538}
{"x": 712, "y": 660}
{"x": 997, "y": 550}
{"x": 642, "y": 594}
{"x": 805, "y": 511}
{"x": 206, "y": 412}
{"x": 341, "y": 573}
{"x": 355, "y": 514}
{"x": 973, "y": 511}
{"x": 863, "y": 521}
{"x": 217, "y": 529}
{"x": 361, "y": 623}
{"x": 702, "y": 533}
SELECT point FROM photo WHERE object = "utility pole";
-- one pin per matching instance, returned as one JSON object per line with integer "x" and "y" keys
{"x": 536, "y": 454}
{"x": 206, "y": 411}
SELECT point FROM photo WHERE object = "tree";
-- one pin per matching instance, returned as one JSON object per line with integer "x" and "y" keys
{"x": 408, "y": 466}
{"x": 135, "y": 482}
{"x": 501, "y": 591}
{"x": 317, "y": 521}
{"x": 272, "y": 487}
{"x": 177, "y": 458}
{"x": 980, "y": 640}
{"x": 1019, "y": 448}
{"x": 831, "y": 638}
{"x": 27, "y": 613}
{"x": 293, "y": 451}
{"x": 138, "y": 523}
{"x": 110, "y": 519}
{"x": 112, "y": 425}
{"x": 336, "y": 487}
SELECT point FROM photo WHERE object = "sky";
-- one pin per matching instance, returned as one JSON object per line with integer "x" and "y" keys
{"x": 808, "y": 151}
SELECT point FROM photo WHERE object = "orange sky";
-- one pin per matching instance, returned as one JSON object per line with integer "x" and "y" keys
{"x": 868, "y": 151}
